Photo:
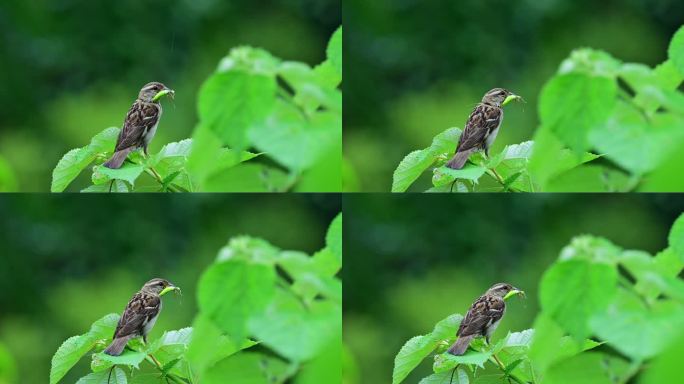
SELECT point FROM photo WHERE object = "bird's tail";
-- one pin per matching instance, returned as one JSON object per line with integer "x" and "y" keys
{"x": 117, "y": 346}
{"x": 459, "y": 159}
{"x": 118, "y": 158}
{"x": 460, "y": 346}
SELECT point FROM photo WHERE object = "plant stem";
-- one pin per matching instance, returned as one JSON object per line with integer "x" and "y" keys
{"x": 492, "y": 172}
{"x": 509, "y": 375}
{"x": 156, "y": 363}
{"x": 171, "y": 187}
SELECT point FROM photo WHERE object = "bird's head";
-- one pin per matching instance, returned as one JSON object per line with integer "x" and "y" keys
{"x": 498, "y": 97}
{"x": 159, "y": 286}
{"x": 504, "y": 290}
{"x": 153, "y": 91}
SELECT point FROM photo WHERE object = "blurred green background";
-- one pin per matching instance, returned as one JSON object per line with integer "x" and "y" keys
{"x": 415, "y": 68}
{"x": 412, "y": 260}
{"x": 69, "y": 260}
{"x": 71, "y": 68}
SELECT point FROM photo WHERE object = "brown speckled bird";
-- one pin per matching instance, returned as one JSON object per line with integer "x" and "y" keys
{"x": 481, "y": 128}
{"x": 140, "y": 124}
{"x": 139, "y": 316}
{"x": 482, "y": 318}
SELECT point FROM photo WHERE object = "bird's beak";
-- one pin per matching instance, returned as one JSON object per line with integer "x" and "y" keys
{"x": 169, "y": 289}
{"x": 514, "y": 292}
{"x": 164, "y": 92}
{"x": 510, "y": 98}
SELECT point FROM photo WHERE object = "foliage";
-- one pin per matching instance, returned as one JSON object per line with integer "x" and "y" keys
{"x": 8, "y": 371}
{"x": 287, "y": 111}
{"x": 630, "y": 303}
{"x": 629, "y": 116}
{"x": 265, "y": 315}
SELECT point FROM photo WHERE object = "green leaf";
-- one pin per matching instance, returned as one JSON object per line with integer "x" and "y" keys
{"x": 173, "y": 159}
{"x": 638, "y": 331}
{"x": 293, "y": 140}
{"x": 312, "y": 88}
{"x": 334, "y": 50}
{"x": 171, "y": 347}
{"x": 416, "y": 162}
{"x": 446, "y": 362}
{"x": 248, "y": 178}
{"x": 549, "y": 345}
{"x": 117, "y": 376}
{"x": 633, "y": 143}
{"x": 128, "y": 172}
{"x": 571, "y": 105}
{"x": 210, "y": 345}
{"x": 119, "y": 186}
{"x": 676, "y": 237}
{"x": 445, "y": 176}
{"x": 233, "y": 291}
{"x": 102, "y": 361}
{"x": 666, "y": 76}
{"x": 665, "y": 179}
{"x": 230, "y": 103}
{"x": 448, "y": 377}
{"x": 250, "y": 60}
{"x": 513, "y": 165}
{"x": 71, "y": 351}
{"x": 592, "y": 62}
{"x": 68, "y": 354}
{"x": 573, "y": 291}
{"x": 675, "y": 51}
{"x": 419, "y": 347}
{"x": 324, "y": 368}
{"x": 250, "y": 249}
{"x": 591, "y": 178}
{"x": 586, "y": 368}
{"x": 665, "y": 264}
{"x": 333, "y": 238}
{"x": 74, "y": 161}
{"x": 665, "y": 367}
{"x": 242, "y": 368}
{"x": 591, "y": 248}
{"x": 295, "y": 331}
{"x": 549, "y": 158}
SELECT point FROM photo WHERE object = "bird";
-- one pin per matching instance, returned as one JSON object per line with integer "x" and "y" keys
{"x": 482, "y": 127}
{"x": 140, "y": 123}
{"x": 140, "y": 315}
{"x": 483, "y": 317}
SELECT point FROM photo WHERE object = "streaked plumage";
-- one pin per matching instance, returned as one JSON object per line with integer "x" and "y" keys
{"x": 482, "y": 318}
{"x": 139, "y": 126}
{"x": 481, "y": 128}
{"x": 139, "y": 316}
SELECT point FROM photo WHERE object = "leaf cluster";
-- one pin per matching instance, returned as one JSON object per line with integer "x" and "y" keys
{"x": 283, "y": 115}
{"x": 265, "y": 315}
{"x": 606, "y": 125}
{"x": 608, "y": 315}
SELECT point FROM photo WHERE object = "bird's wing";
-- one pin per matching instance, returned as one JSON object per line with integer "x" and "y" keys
{"x": 139, "y": 310}
{"x": 482, "y": 121}
{"x": 139, "y": 119}
{"x": 485, "y": 310}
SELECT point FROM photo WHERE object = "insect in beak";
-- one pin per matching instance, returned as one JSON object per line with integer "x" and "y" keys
{"x": 164, "y": 92}
{"x": 169, "y": 289}
{"x": 514, "y": 292}
{"x": 512, "y": 97}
